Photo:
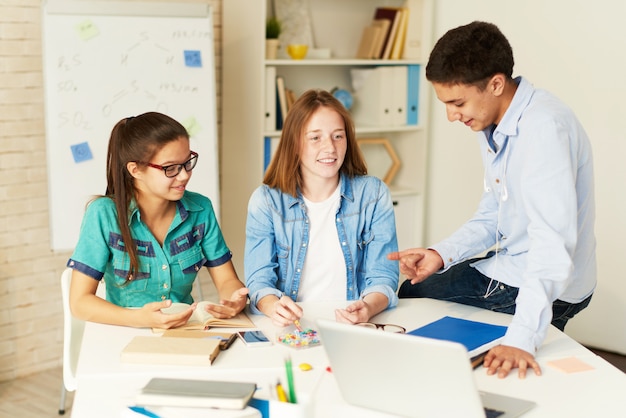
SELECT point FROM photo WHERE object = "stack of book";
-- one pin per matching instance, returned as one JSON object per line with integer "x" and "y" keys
{"x": 393, "y": 33}
{"x": 278, "y": 103}
{"x": 196, "y": 393}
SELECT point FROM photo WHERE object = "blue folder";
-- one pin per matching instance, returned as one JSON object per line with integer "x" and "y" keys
{"x": 471, "y": 334}
{"x": 413, "y": 84}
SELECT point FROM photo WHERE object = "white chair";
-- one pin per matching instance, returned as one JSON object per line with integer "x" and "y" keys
{"x": 72, "y": 337}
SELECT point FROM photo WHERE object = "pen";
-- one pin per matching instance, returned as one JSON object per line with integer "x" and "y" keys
{"x": 280, "y": 392}
{"x": 226, "y": 343}
{"x": 143, "y": 411}
{"x": 292, "y": 389}
{"x": 477, "y": 360}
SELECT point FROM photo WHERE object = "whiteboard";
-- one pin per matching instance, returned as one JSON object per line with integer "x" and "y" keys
{"x": 107, "y": 60}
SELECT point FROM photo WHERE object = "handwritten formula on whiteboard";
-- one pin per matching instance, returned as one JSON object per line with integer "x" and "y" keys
{"x": 100, "y": 68}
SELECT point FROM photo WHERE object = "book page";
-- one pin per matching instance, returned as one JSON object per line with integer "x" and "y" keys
{"x": 201, "y": 319}
{"x": 200, "y": 315}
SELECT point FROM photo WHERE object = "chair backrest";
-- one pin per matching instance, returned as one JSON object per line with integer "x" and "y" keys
{"x": 72, "y": 334}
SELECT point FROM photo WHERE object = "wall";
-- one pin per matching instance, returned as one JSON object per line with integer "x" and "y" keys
{"x": 576, "y": 50}
{"x": 30, "y": 306}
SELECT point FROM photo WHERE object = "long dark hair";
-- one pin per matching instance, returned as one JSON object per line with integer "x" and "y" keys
{"x": 136, "y": 138}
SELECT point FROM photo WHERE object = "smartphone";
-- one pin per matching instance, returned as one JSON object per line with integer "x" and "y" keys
{"x": 254, "y": 338}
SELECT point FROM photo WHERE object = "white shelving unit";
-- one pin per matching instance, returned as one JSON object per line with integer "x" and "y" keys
{"x": 337, "y": 25}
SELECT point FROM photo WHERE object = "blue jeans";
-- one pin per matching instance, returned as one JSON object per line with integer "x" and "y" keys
{"x": 464, "y": 284}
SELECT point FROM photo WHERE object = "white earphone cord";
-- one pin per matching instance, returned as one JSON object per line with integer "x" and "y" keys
{"x": 504, "y": 195}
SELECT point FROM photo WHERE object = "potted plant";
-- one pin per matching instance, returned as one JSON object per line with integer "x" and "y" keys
{"x": 273, "y": 27}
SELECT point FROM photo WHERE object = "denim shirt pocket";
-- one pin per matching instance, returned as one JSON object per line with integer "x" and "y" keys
{"x": 188, "y": 266}
{"x": 138, "y": 283}
{"x": 282, "y": 258}
{"x": 366, "y": 237}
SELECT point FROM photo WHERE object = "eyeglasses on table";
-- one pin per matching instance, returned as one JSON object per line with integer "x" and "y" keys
{"x": 385, "y": 327}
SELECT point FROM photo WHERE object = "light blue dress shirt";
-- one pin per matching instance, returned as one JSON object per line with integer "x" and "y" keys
{"x": 193, "y": 240}
{"x": 539, "y": 204}
{"x": 277, "y": 236}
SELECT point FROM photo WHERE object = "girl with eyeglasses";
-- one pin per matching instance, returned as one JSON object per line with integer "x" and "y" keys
{"x": 148, "y": 236}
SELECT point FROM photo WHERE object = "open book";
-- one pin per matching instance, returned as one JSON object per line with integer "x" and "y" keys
{"x": 201, "y": 319}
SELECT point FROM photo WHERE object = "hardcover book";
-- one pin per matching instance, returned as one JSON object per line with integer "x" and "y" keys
{"x": 196, "y": 393}
{"x": 393, "y": 16}
{"x": 144, "y": 349}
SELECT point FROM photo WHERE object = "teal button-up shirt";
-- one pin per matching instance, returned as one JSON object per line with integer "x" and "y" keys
{"x": 194, "y": 240}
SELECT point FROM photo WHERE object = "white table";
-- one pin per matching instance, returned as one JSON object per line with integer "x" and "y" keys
{"x": 106, "y": 386}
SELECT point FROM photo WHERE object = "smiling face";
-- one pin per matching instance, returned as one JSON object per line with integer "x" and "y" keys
{"x": 151, "y": 182}
{"x": 323, "y": 147}
{"x": 475, "y": 108}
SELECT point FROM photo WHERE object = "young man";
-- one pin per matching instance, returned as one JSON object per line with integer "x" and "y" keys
{"x": 536, "y": 216}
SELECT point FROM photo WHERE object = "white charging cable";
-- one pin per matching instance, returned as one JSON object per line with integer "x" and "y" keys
{"x": 503, "y": 197}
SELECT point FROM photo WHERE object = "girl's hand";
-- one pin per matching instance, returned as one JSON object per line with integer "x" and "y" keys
{"x": 358, "y": 311}
{"x": 285, "y": 311}
{"x": 228, "y": 308}
{"x": 152, "y": 316}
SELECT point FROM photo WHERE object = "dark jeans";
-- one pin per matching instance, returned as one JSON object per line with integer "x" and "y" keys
{"x": 466, "y": 285}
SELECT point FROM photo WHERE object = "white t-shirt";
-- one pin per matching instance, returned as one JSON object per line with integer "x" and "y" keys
{"x": 324, "y": 272}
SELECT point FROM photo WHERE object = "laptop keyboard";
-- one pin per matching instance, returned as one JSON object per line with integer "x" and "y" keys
{"x": 493, "y": 413}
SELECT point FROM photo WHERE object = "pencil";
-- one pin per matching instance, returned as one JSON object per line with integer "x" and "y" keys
{"x": 280, "y": 392}
{"x": 290, "y": 383}
{"x": 478, "y": 360}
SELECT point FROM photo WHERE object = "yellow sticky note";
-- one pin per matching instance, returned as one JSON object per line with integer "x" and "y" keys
{"x": 570, "y": 365}
{"x": 87, "y": 30}
{"x": 192, "y": 126}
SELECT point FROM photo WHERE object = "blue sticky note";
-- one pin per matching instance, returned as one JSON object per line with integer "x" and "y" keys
{"x": 193, "y": 58}
{"x": 81, "y": 152}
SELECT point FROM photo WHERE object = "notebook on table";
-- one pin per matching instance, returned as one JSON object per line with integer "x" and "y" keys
{"x": 196, "y": 393}
{"x": 408, "y": 375}
{"x": 477, "y": 337}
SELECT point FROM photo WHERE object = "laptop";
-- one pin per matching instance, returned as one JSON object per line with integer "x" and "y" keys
{"x": 408, "y": 375}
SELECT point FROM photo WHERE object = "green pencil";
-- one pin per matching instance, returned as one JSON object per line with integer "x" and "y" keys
{"x": 290, "y": 384}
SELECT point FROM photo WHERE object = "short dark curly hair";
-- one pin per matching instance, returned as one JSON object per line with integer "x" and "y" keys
{"x": 470, "y": 54}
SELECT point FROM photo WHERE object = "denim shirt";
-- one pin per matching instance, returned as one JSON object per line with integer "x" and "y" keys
{"x": 193, "y": 240}
{"x": 277, "y": 237}
{"x": 539, "y": 205}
